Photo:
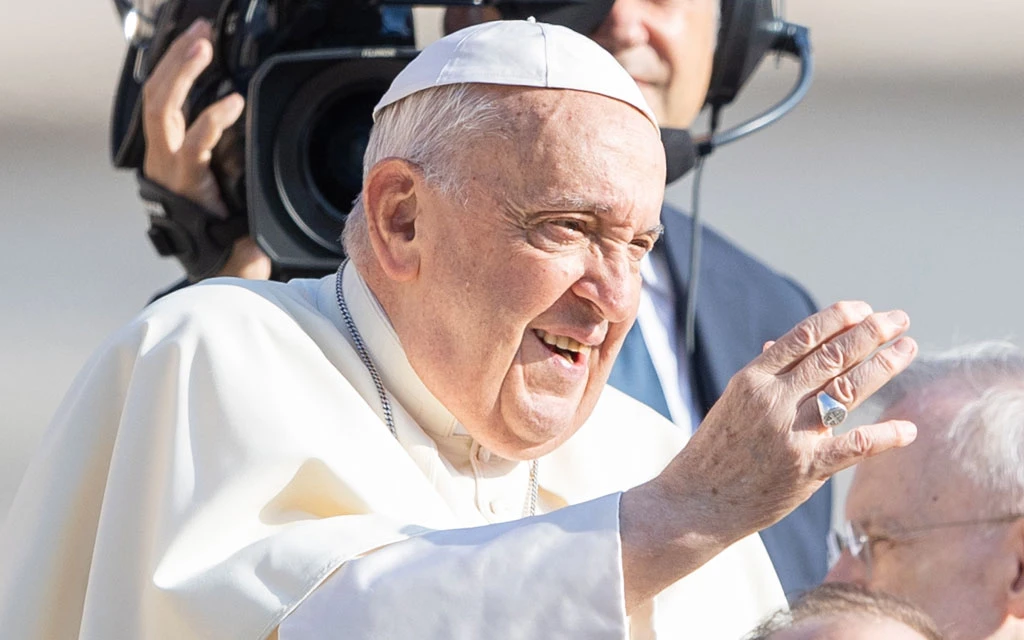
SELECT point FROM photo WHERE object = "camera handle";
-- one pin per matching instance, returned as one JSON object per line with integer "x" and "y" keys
{"x": 200, "y": 239}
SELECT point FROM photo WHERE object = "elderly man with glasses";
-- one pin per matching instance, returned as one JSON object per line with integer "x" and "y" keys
{"x": 941, "y": 523}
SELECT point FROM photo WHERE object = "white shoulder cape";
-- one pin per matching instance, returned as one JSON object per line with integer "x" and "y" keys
{"x": 223, "y": 454}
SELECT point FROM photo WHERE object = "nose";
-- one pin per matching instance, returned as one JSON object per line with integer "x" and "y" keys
{"x": 611, "y": 282}
{"x": 624, "y": 26}
{"x": 848, "y": 569}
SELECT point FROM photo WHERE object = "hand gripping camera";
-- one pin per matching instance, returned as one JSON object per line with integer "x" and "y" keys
{"x": 311, "y": 71}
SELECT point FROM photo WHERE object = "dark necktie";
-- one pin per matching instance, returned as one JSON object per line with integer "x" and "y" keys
{"x": 635, "y": 375}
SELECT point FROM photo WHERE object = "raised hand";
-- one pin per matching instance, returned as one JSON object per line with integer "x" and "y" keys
{"x": 762, "y": 449}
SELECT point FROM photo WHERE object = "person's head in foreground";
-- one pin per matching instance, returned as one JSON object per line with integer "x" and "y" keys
{"x": 941, "y": 523}
{"x": 847, "y": 612}
{"x": 514, "y": 217}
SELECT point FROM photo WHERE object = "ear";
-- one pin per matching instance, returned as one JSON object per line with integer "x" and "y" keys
{"x": 1015, "y": 594}
{"x": 392, "y": 208}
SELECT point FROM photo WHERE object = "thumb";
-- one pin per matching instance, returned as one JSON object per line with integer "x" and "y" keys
{"x": 839, "y": 452}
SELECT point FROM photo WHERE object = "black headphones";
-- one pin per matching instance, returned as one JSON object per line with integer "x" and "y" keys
{"x": 749, "y": 30}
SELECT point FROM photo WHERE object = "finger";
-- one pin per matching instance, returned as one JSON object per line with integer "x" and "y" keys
{"x": 846, "y": 350}
{"x": 839, "y": 452}
{"x": 858, "y": 384}
{"x": 809, "y": 333}
{"x": 767, "y": 345}
{"x": 167, "y": 88}
{"x": 206, "y": 131}
{"x": 184, "y": 48}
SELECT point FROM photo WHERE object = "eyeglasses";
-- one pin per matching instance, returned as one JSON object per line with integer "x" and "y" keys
{"x": 851, "y": 536}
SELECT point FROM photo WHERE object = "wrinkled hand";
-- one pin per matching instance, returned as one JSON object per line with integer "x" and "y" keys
{"x": 178, "y": 156}
{"x": 762, "y": 450}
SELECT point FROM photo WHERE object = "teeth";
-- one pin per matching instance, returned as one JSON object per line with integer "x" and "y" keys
{"x": 562, "y": 342}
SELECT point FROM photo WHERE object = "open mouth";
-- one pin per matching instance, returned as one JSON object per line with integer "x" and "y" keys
{"x": 572, "y": 351}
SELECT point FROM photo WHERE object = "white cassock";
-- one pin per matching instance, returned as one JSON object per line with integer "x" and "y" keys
{"x": 221, "y": 469}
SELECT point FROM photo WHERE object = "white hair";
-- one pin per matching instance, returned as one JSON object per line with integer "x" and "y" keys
{"x": 430, "y": 128}
{"x": 985, "y": 437}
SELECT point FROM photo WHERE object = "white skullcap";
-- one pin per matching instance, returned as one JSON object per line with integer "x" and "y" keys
{"x": 517, "y": 53}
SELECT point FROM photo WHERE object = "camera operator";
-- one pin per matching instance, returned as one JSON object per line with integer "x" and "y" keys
{"x": 668, "y": 49}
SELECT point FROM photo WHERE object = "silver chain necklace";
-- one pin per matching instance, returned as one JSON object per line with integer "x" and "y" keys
{"x": 529, "y": 509}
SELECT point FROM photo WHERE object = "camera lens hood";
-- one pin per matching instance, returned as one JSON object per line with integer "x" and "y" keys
{"x": 308, "y": 121}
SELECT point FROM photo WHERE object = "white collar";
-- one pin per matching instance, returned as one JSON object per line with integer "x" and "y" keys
{"x": 386, "y": 352}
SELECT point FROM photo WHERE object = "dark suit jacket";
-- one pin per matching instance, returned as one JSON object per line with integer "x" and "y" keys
{"x": 741, "y": 304}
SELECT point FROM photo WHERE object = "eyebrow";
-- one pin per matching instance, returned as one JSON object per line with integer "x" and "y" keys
{"x": 572, "y": 203}
{"x": 576, "y": 203}
{"x": 582, "y": 205}
{"x": 657, "y": 230}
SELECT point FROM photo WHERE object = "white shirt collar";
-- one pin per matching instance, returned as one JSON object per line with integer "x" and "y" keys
{"x": 388, "y": 356}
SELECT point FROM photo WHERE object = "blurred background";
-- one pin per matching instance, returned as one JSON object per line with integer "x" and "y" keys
{"x": 897, "y": 181}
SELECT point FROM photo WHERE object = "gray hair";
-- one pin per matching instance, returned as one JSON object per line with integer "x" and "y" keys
{"x": 839, "y": 602}
{"x": 429, "y": 128}
{"x": 985, "y": 437}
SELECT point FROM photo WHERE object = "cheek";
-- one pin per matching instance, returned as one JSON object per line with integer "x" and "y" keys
{"x": 929, "y": 574}
{"x": 687, "y": 44}
{"x": 529, "y": 283}
{"x": 501, "y": 303}
{"x": 610, "y": 349}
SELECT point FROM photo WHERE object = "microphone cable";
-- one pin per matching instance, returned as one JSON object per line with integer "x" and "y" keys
{"x": 792, "y": 39}
{"x": 692, "y": 283}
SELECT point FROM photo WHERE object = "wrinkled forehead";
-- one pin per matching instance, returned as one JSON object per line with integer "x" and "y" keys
{"x": 560, "y": 145}
{"x": 907, "y": 487}
{"x": 576, "y": 126}
{"x": 547, "y": 104}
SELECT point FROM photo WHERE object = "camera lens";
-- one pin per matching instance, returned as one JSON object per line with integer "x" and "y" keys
{"x": 310, "y": 116}
{"x": 337, "y": 143}
{"x": 319, "y": 148}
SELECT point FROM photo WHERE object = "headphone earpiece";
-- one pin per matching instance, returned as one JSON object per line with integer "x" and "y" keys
{"x": 748, "y": 30}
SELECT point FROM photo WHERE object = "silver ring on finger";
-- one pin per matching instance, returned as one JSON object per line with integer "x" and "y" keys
{"x": 833, "y": 413}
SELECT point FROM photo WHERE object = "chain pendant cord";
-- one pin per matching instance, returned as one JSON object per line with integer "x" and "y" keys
{"x": 529, "y": 509}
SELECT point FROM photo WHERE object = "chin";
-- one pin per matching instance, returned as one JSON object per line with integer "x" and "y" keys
{"x": 522, "y": 450}
{"x": 537, "y": 432}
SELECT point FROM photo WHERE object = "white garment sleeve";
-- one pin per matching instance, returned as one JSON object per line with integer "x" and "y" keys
{"x": 557, "y": 575}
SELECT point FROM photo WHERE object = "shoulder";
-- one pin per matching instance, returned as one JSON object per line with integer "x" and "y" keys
{"x": 226, "y": 325}
{"x": 232, "y": 297}
{"x": 229, "y": 308}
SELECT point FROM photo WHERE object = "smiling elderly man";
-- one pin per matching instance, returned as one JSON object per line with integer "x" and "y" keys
{"x": 360, "y": 456}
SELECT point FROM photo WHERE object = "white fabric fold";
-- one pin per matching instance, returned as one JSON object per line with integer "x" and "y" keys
{"x": 553, "y": 576}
